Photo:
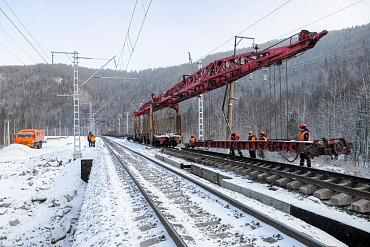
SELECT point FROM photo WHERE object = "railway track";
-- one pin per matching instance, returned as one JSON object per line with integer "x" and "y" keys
{"x": 199, "y": 215}
{"x": 341, "y": 189}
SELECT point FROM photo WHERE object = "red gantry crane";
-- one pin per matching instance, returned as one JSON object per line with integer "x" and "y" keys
{"x": 224, "y": 71}
{"x": 227, "y": 70}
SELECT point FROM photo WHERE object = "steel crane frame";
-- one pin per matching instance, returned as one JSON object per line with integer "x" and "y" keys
{"x": 227, "y": 70}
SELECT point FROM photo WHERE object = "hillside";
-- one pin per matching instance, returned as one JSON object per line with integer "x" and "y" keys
{"x": 327, "y": 88}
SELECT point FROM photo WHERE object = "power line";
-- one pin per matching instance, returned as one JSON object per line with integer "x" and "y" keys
{"x": 249, "y": 27}
{"x": 337, "y": 54}
{"x": 12, "y": 53}
{"x": 289, "y": 32}
{"x": 137, "y": 38}
{"x": 26, "y": 29}
{"x": 321, "y": 18}
{"x": 127, "y": 34}
{"x": 17, "y": 44}
{"x": 23, "y": 36}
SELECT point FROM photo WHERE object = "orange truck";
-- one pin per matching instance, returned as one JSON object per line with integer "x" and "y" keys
{"x": 31, "y": 138}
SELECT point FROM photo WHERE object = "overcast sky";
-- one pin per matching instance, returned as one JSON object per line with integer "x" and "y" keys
{"x": 172, "y": 28}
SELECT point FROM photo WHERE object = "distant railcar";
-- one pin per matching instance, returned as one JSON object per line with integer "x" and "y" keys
{"x": 112, "y": 131}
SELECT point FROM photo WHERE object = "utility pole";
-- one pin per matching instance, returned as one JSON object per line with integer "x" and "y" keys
{"x": 8, "y": 133}
{"x": 119, "y": 126}
{"x": 4, "y": 134}
{"x": 201, "y": 130}
{"x": 60, "y": 128}
{"x": 76, "y": 105}
{"x": 231, "y": 92}
{"x": 76, "y": 110}
{"x": 230, "y": 110}
{"x": 127, "y": 123}
{"x": 7, "y": 142}
{"x": 91, "y": 116}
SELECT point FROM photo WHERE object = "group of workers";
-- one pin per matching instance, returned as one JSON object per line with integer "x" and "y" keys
{"x": 92, "y": 139}
{"x": 304, "y": 136}
{"x": 251, "y": 137}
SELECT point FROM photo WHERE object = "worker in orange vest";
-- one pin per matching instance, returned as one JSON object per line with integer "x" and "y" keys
{"x": 262, "y": 138}
{"x": 89, "y": 139}
{"x": 304, "y": 136}
{"x": 251, "y": 137}
{"x": 93, "y": 140}
{"x": 234, "y": 137}
{"x": 192, "y": 140}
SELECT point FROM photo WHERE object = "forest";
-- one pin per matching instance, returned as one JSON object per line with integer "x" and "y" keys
{"x": 327, "y": 88}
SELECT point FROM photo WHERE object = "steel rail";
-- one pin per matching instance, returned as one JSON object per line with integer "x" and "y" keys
{"x": 324, "y": 172}
{"x": 291, "y": 232}
{"x": 171, "y": 231}
{"x": 309, "y": 175}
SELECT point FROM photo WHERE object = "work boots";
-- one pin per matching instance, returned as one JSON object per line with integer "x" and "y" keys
{"x": 308, "y": 163}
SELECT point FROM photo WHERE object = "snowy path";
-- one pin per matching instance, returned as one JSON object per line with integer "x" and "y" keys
{"x": 114, "y": 212}
{"x": 200, "y": 217}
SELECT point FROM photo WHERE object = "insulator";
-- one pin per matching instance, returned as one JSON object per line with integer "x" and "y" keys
{"x": 265, "y": 74}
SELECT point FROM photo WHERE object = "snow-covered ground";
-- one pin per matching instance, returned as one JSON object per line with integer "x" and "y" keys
{"x": 42, "y": 195}
{"x": 308, "y": 202}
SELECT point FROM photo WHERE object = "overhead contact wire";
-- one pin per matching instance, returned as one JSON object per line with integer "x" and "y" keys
{"x": 24, "y": 36}
{"x": 17, "y": 44}
{"x": 27, "y": 30}
{"x": 249, "y": 26}
{"x": 12, "y": 53}
{"x": 322, "y": 18}
{"x": 127, "y": 33}
{"x": 137, "y": 38}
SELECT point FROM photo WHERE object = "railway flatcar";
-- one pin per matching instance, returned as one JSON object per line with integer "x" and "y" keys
{"x": 112, "y": 131}
{"x": 158, "y": 131}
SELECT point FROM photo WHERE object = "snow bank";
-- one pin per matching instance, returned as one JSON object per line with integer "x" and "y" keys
{"x": 41, "y": 194}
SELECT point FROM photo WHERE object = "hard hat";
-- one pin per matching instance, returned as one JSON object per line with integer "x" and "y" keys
{"x": 250, "y": 132}
{"x": 262, "y": 133}
{"x": 302, "y": 126}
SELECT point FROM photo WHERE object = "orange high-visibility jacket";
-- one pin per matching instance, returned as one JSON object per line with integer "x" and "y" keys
{"x": 304, "y": 135}
{"x": 263, "y": 138}
{"x": 251, "y": 138}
